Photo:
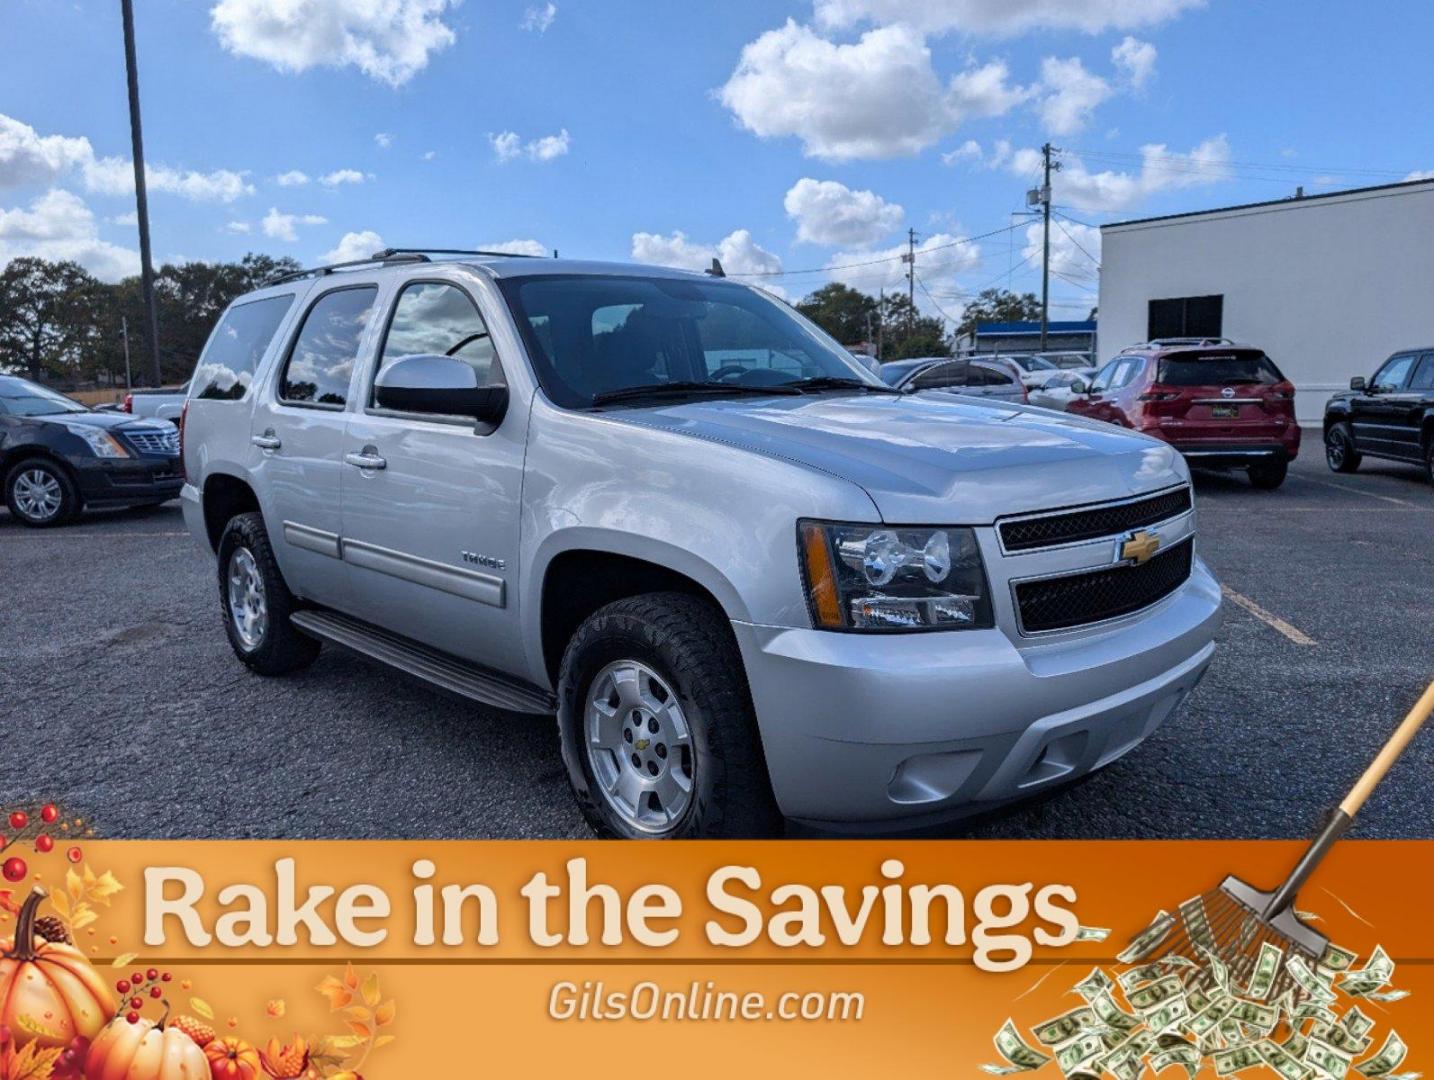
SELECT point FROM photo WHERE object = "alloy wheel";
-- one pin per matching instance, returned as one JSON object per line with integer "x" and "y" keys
{"x": 248, "y": 603}
{"x": 38, "y": 494}
{"x": 639, "y": 745}
{"x": 1335, "y": 449}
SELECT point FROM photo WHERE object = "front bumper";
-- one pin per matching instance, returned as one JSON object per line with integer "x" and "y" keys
{"x": 898, "y": 729}
{"x": 127, "y": 481}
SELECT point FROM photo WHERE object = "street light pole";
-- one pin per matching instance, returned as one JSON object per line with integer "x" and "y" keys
{"x": 146, "y": 262}
{"x": 1046, "y": 152}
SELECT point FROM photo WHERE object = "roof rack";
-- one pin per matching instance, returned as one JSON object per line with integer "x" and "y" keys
{"x": 389, "y": 256}
{"x": 1169, "y": 342}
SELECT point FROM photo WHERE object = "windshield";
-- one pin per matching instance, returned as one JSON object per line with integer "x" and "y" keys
{"x": 1032, "y": 363}
{"x": 591, "y": 336}
{"x": 19, "y": 397}
{"x": 1219, "y": 369}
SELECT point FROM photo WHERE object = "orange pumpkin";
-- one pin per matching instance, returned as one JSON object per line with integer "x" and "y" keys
{"x": 144, "y": 1051}
{"x": 49, "y": 994}
{"x": 232, "y": 1059}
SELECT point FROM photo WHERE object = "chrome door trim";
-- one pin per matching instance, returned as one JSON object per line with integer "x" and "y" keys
{"x": 469, "y": 584}
{"x": 311, "y": 539}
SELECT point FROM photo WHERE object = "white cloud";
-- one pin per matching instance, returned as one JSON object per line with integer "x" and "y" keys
{"x": 1135, "y": 60}
{"x": 1069, "y": 95}
{"x": 129, "y": 218}
{"x": 292, "y": 178}
{"x": 876, "y": 98}
{"x": 1421, "y": 174}
{"x": 1002, "y": 17}
{"x": 59, "y": 226}
{"x": 240, "y": 228}
{"x": 827, "y": 212}
{"x": 1075, "y": 249}
{"x": 27, "y": 157}
{"x": 387, "y": 40}
{"x": 1160, "y": 170}
{"x": 353, "y": 247}
{"x": 342, "y": 176}
{"x": 509, "y": 146}
{"x": 538, "y": 19}
{"x": 283, "y": 226}
{"x": 737, "y": 251}
{"x": 970, "y": 150}
{"x": 517, "y": 247}
{"x": 939, "y": 258}
{"x": 384, "y": 140}
{"x": 115, "y": 176}
{"x": 429, "y": 155}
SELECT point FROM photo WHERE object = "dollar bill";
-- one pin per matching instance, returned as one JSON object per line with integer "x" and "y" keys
{"x": 1064, "y": 1028}
{"x": 1308, "y": 981}
{"x": 1020, "y": 1057}
{"x": 1149, "y": 939}
{"x": 1092, "y": 933}
{"x": 1072, "y": 1056}
{"x": 1153, "y": 995}
{"x": 1391, "y": 1055}
{"x": 1375, "y": 974}
{"x": 1296, "y": 1044}
{"x": 1186, "y": 1056}
{"x": 1112, "y": 1015}
{"x": 1282, "y": 1061}
{"x": 1144, "y": 973}
{"x": 1217, "y": 969}
{"x": 1339, "y": 1037}
{"x": 1387, "y": 996}
{"x": 1312, "y": 1010}
{"x": 1208, "y": 1019}
{"x": 1094, "y": 984}
{"x": 1168, "y": 1015}
{"x": 1329, "y": 1060}
{"x": 1236, "y": 1059}
{"x": 1335, "y": 958}
{"x": 1267, "y": 967}
{"x": 1355, "y": 1022}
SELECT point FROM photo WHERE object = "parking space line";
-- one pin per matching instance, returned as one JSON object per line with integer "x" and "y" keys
{"x": 77, "y": 535}
{"x": 1366, "y": 494}
{"x": 1274, "y": 621}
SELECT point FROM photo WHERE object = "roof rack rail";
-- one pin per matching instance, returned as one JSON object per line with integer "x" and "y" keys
{"x": 394, "y": 255}
{"x": 389, "y": 252}
{"x": 1165, "y": 343}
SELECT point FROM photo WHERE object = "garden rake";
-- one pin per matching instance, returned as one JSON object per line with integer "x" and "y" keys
{"x": 1231, "y": 923}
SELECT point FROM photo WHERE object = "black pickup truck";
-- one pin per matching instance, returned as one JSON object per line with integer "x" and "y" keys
{"x": 1389, "y": 416}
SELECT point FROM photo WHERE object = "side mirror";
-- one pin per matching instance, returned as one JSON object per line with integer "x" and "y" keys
{"x": 1080, "y": 387}
{"x": 1358, "y": 383}
{"x": 439, "y": 385}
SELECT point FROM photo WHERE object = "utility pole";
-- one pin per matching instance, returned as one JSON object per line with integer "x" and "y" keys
{"x": 910, "y": 259}
{"x": 124, "y": 335}
{"x": 146, "y": 262}
{"x": 1046, "y": 152}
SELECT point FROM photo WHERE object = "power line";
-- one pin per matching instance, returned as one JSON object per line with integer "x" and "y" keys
{"x": 899, "y": 257}
{"x": 1078, "y": 244}
{"x": 1112, "y": 155}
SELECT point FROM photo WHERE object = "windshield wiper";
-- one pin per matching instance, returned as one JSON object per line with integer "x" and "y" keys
{"x": 839, "y": 382}
{"x": 688, "y": 389}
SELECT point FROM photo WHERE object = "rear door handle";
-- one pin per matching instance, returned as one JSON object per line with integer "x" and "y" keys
{"x": 366, "y": 459}
{"x": 267, "y": 441}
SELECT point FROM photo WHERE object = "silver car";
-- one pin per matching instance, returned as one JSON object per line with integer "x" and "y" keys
{"x": 942, "y": 374}
{"x": 752, "y": 581}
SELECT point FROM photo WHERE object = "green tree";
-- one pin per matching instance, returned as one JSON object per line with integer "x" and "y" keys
{"x": 906, "y": 333}
{"x": 998, "y": 305}
{"x": 46, "y": 316}
{"x": 845, "y": 313}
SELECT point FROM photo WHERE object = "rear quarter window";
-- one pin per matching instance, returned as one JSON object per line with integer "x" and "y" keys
{"x": 234, "y": 350}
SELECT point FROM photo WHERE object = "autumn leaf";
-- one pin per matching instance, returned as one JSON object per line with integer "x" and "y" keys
{"x": 74, "y": 885}
{"x": 359, "y": 1013}
{"x": 202, "y": 1007}
{"x": 371, "y": 993}
{"x": 337, "y": 993}
{"x": 103, "y": 888}
{"x": 384, "y": 1014}
{"x": 33, "y": 1063}
{"x": 351, "y": 979}
{"x": 363, "y": 1031}
{"x": 383, "y": 1040}
{"x": 123, "y": 960}
{"x": 342, "y": 1042}
{"x": 276, "y": 1008}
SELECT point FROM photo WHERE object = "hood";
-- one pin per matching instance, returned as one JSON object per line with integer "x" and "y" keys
{"x": 928, "y": 459}
{"x": 107, "y": 420}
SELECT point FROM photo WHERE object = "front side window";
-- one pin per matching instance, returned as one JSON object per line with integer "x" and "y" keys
{"x": 227, "y": 365}
{"x": 1423, "y": 374}
{"x": 436, "y": 319}
{"x": 591, "y": 335}
{"x": 1391, "y": 376}
{"x": 1103, "y": 376}
{"x": 941, "y": 375}
{"x": 322, "y": 359}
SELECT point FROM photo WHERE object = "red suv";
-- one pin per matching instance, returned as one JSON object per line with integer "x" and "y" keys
{"x": 1218, "y": 403}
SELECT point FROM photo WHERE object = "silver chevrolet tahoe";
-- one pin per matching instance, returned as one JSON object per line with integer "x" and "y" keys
{"x": 753, "y": 582}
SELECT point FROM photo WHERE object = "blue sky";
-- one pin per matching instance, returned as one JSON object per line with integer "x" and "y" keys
{"x": 785, "y": 137}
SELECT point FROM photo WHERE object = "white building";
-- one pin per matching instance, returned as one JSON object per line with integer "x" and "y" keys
{"x": 1328, "y": 285}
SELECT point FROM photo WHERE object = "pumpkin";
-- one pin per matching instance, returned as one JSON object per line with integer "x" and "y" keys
{"x": 144, "y": 1050}
{"x": 232, "y": 1059}
{"x": 49, "y": 994}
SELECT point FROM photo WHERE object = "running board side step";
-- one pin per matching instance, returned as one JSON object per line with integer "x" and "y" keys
{"x": 422, "y": 662}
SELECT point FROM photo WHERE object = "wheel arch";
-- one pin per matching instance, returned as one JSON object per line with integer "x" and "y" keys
{"x": 223, "y": 496}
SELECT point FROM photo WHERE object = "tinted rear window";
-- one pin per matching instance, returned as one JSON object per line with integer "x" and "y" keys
{"x": 1218, "y": 369}
{"x": 236, "y": 347}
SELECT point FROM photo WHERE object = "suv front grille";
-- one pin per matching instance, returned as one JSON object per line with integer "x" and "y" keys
{"x": 1078, "y": 599}
{"x": 162, "y": 443}
{"x": 1068, "y": 528}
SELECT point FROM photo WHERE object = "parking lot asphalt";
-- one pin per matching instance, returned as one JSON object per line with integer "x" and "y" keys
{"x": 120, "y": 697}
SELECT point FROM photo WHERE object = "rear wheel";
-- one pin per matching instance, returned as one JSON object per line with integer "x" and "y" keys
{"x": 1429, "y": 456}
{"x": 1339, "y": 449}
{"x": 40, "y": 493}
{"x": 256, "y": 603}
{"x": 1269, "y": 475}
{"x": 656, "y": 724}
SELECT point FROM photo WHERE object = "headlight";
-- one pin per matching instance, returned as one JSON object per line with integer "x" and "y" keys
{"x": 875, "y": 577}
{"x": 101, "y": 442}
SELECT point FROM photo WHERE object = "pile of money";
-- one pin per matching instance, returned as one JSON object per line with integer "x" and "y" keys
{"x": 1301, "y": 1019}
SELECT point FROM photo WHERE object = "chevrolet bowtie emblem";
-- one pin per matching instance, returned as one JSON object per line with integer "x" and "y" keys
{"x": 641, "y": 744}
{"x": 1139, "y": 546}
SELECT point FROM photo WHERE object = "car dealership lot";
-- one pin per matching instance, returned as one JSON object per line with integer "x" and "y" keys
{"x": 119, "y": 694}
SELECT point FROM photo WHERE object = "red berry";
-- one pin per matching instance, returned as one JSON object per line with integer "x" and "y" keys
{"x": 152, "y": 974}
{"x": 19, "y": 819}
{"x": 166, "y": 977}
{"x": 43, "y": 844}
{"x": 49, "y": 814}
{"x": 136, "y": 1003}
{"x": 74, "y": 854}
{"x": 132, "y": 1017}
{"x": 155, "y": 991}
{"x": 122, "y": 986}
{"x": 14, "y": 869}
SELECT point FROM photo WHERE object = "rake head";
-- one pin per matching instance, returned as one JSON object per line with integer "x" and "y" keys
{"x": 1231, "y": 925}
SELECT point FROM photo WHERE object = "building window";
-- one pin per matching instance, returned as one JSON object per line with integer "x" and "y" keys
{"x": 1187, "y": 316}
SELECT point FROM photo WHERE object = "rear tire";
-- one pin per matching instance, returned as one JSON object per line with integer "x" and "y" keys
{"x": 1269, "y": 475}
{"x": 653, "y": 705}
{"x": 256, "y": 604}
{"x": 1339, "y": 452}
{"x": 41, "y": 494}
{"x": 1429, "y": 456}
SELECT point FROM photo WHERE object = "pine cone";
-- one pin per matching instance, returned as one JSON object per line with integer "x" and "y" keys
{"x": 52, "y": 929}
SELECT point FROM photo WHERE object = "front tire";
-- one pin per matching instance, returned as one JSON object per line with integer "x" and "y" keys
{"x": 41, "y": 494}
{"x": 657, "y": 727}
{"x": 255, "y": 602}
{"x": 1339, "y": 452}
{"x": 1269, "y": 475}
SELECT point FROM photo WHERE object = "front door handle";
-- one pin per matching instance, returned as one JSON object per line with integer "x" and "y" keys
{"x": 367, "y": 458}
{"x": 267, "y": 441}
